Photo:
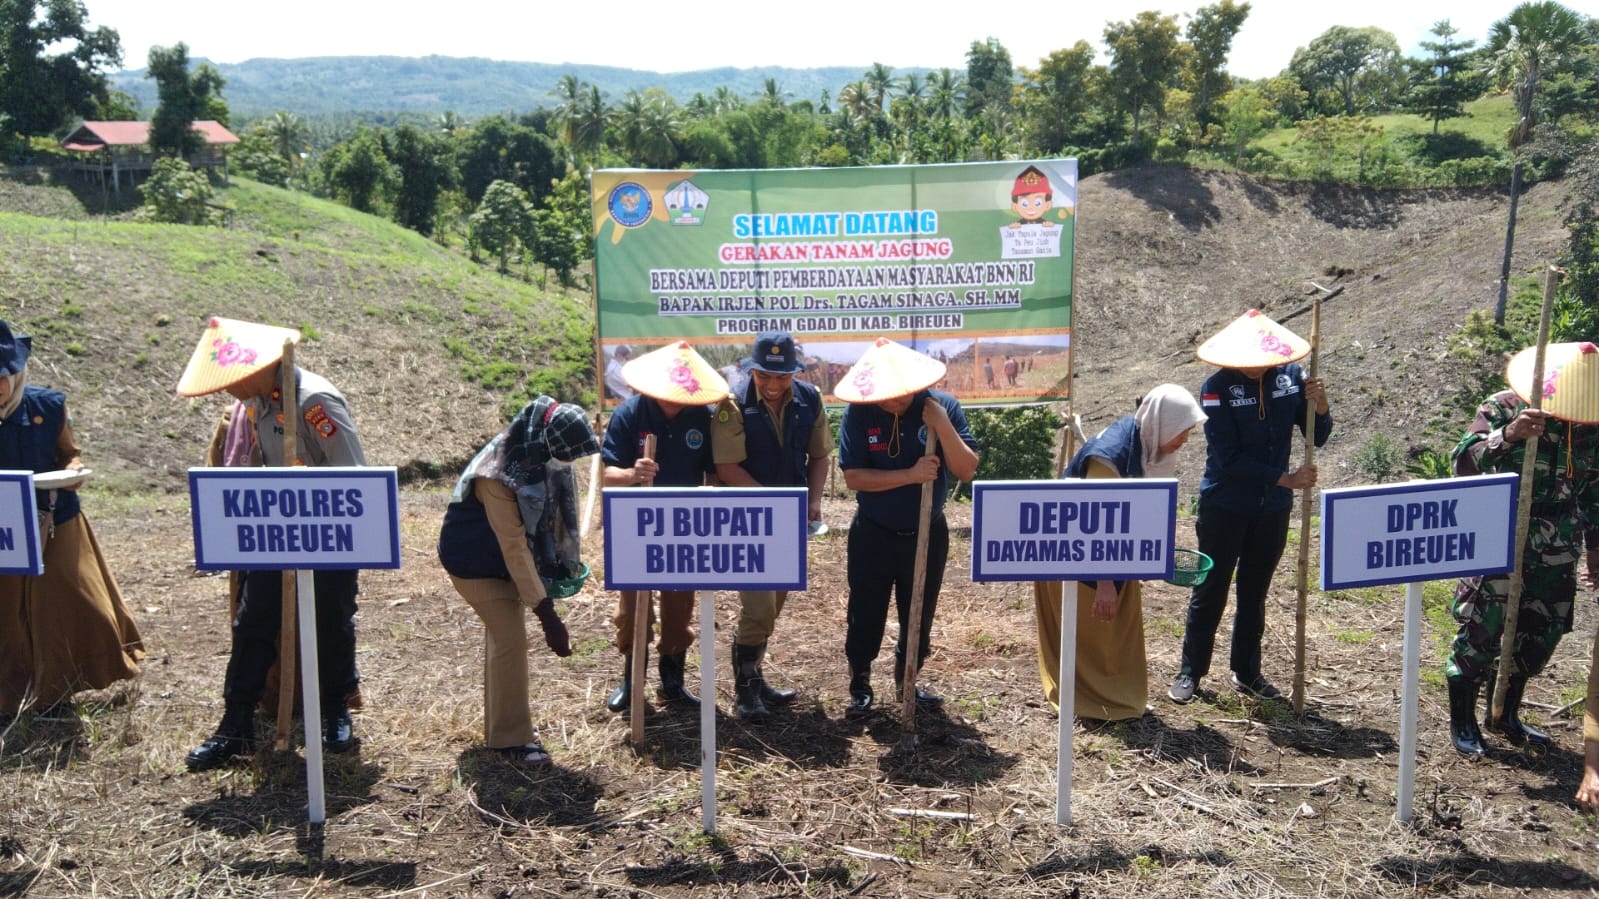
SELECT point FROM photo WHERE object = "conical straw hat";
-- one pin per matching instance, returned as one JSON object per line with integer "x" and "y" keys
{"x": 230, "y": 351}
{"x": 887, "y": 371}
{"x": 675, "y": 374}
{"x": 1253, "y": 340}
{"x": 1570, "y": 380}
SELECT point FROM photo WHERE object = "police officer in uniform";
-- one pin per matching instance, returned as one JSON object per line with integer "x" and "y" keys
{"x": 243, "y": 358}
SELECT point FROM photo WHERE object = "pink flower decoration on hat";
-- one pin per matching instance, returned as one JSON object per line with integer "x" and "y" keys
{"x": 683, "y": 376}
{"x": 230, "y": 352}
{"x": 1271, "y": 343}
{"x": 864, "y": 381}
{"x": 1549, "y": 383}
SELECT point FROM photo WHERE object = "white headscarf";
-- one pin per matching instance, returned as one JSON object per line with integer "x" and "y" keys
{"x": 1165, "y": 412}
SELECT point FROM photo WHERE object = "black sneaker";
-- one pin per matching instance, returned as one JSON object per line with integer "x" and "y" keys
{"x": 1258, "y": 687}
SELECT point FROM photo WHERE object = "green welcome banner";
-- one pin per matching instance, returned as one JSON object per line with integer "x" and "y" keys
{"x": 968, "y": 263}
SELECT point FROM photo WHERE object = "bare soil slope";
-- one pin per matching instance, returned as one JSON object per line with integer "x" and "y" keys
{"x": 1222, "y": 797}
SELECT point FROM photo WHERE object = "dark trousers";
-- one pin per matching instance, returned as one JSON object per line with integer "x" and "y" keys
{"x": 1253, "y": 545}
{"x": 881, "y": 561}
{"x": 255, "y": 637}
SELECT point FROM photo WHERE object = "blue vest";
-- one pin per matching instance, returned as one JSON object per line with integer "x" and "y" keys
{"x": 769, "y": 463}
{"x": 468, "y": 547}
{"x": 1119, "y": 444}
{"x": 28, "y": 443}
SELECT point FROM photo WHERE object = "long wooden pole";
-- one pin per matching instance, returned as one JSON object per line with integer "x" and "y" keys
{"x": 1529, "y": 468}
{"x": 913, "y": 621}
{"x": 595, "y": 483}
{"x": 289, "y": 594}
{"x": 1306, "y": 496}
{"x": 641, "y": 636}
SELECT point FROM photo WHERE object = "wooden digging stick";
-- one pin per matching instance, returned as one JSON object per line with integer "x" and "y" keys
{"x": 913, "y": 622}
{"x": 641, "y": 636}
{"x": 595, "y": 482}
{"x": 1306, "y": 497}
{"x": 1529, "y": 469}
{"x": 287, "y": 631}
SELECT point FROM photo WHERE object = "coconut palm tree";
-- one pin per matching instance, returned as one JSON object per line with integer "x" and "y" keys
{"x": 879, "y": 80}
{"x": 290, "y": 137}
{"x": 946, "y": 94}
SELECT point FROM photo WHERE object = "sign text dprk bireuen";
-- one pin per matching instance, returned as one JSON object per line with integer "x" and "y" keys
{"x": 1418, "y": 531}
{"x": 1073, "y": 529}
{"x": 295, "y": 518}
{"x": 723, "y": 538}
{"x": 20, "y": 552}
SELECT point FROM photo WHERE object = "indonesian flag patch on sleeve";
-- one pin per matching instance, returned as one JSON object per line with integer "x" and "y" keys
{"x": 317, "y": 418}
{"x": 1210, "y": 399}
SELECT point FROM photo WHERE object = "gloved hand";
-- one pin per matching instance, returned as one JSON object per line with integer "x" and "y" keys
{"x": 555, "y": 635}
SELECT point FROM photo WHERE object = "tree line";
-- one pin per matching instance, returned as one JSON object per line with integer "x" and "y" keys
{"x": 512, "y": 186}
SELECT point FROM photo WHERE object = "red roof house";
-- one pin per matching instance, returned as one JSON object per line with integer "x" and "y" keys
{"x": 117, "y": 147}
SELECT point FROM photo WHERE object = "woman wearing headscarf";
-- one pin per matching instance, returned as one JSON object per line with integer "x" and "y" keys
{"x": 509, "y": 537}
{"x": 67, "y": 629}
{"x": 1112, "y": 679}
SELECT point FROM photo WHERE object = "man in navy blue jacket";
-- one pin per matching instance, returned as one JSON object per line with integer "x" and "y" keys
{"x": 1253, "y": 407}
{"x": 772, "y": 433}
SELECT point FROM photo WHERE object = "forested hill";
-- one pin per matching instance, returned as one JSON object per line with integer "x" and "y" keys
{"x": 468, "y": 87}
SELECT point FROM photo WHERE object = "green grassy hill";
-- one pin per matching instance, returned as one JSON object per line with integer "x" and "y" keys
{"x": 431, "y": 348}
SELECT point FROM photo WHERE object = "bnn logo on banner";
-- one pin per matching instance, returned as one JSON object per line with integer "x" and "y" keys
{"x": 969, "y": 263}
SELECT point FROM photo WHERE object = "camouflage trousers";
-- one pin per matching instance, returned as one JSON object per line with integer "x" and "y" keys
{"x": 1543, "y": 617}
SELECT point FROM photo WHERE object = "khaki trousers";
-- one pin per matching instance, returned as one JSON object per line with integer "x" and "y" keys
{"x": 506, "y": 721}
{"x": 677, "y": 630}
{"x": 757, "y": 615}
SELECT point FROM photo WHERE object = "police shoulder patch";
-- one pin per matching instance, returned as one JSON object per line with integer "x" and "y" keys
{"x": 317, "y": 419}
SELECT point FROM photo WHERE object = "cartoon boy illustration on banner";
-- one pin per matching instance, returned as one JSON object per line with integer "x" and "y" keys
{"x": 1031, "y": 235}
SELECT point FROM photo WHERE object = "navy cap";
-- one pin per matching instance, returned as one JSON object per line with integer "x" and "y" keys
{"x": 775, "y": 354}
{"x": 14, "y": 350}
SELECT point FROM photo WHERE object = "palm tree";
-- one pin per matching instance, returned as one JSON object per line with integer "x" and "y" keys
{"x": 290, "y": 136}
{"x": 879, "y": 78}
{"x": 449, "y": 123}
{"x": 946, "y": 94}
{"x": 1533, "y": 42}
{"x": 855, "y": 101}
{"x": 569, "y": 91}
{"x": 772, "y": 95}
{"x": 911, "y": 99}
{"x": 725, "y": 100}
{"x": 589, "y": 121}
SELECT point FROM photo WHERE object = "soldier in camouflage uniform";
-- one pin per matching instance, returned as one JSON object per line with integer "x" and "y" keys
{"x": 1565, "y": 497}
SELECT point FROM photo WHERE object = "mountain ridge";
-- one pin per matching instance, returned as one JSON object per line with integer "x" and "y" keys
{"x": 469, "y": 86}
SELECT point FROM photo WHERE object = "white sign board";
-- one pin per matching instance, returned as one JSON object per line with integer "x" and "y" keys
{"x": 1418, "y": 531}
{"x": 1073, "y": 530}
{"x": 19, "y": 525}
{"x": 704, "y": 538}
{"x": 297, "y": 518}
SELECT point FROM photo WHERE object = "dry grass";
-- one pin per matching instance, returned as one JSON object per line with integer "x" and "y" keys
{"x": 1220, "y": 798}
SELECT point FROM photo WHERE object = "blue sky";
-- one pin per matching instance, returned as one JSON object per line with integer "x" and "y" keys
{"x": 695, "y": 34}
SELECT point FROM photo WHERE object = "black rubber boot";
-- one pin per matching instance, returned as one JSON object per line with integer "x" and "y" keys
{"x": 1463, "y": 730}
{"x": 922, "y": 696}
{"x": 622, "y": 696}
{"x": 1517, "y": 733}
{"x": 770, "y": 695}
{"x": 234, "y": 736}
{"x": 860, "y": 693}
{"x": 338, "y": 731}
{"x": 747, "y": 682}
{"x": 671, "y": 688}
